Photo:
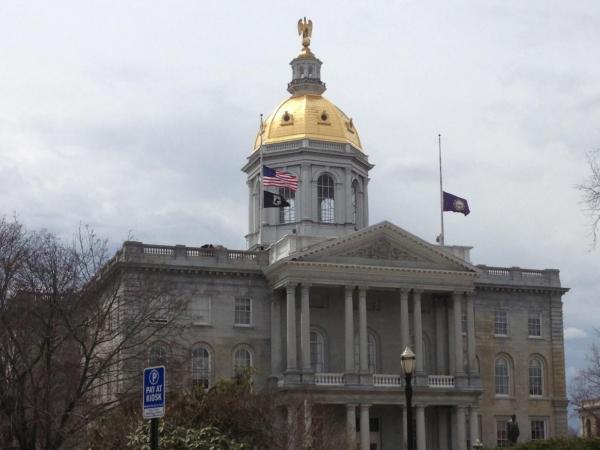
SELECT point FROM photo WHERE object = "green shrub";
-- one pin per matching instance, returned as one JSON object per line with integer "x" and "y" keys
{"x": 560, "y": 444}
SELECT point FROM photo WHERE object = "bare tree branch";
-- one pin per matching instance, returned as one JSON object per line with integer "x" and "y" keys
{"x": 74, "y": 330}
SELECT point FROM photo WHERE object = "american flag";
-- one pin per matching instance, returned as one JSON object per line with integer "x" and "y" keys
{"x": 279, "y": 178}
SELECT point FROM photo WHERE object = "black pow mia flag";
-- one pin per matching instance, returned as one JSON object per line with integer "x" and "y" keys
{"x": 271, "y": 200}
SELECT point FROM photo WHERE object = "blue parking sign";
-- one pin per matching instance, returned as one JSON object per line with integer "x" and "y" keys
{"x": 154, "y": 392}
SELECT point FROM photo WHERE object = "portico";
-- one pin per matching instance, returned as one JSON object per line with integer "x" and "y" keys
{"x": 403, "y": 292}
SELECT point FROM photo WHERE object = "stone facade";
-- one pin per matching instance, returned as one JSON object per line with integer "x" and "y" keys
{"x": 355, "y": 302}
{"x": 323, "y": 304}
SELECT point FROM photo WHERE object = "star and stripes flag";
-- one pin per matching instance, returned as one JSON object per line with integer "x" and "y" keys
{"x": 279, "y": 178}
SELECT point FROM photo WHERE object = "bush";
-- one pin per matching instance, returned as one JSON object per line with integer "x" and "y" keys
{"x": 561, "y": 444}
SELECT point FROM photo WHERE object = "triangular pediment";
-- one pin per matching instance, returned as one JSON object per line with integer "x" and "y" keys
{"x": 388, "y": 245}
{"x": 381, "y": 248}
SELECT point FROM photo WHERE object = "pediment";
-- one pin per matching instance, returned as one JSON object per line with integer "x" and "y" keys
{"x": 381, "y": 248}
{"x": 388, "y": 245}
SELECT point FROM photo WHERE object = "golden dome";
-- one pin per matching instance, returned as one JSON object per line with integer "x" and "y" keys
{"x": 308, "y": 116}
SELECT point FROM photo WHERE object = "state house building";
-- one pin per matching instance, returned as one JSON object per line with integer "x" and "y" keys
{"x": 323, "y": 303}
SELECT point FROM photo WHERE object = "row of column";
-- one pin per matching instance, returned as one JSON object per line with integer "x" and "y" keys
{"x": 456, "y": 366}
{"x": 458, "y": 428}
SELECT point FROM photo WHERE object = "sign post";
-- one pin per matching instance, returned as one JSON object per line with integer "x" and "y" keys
{"x": 154, "y": 400}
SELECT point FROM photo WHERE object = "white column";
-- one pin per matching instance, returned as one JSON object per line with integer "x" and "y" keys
{"x": 471, "y": 334}
{"x": 349, "y": 329}
{"x": 420, "y": 419}
{"x": 458, "y": 339}
{"x": 451, "y": 349}
{"x": 418, "y": 327}
{"x": 305, "y": 327}
{"x": 291, "y": 326}
{"x": 362, "y": 329}
{"x": 442, "y": 429}
{"x": 461, "y": 436}
{"x": 474, "y": 425}
{"x": 351, "y": 426}
{"x": 404, "y": 327}
{"x": 441, "y": 343}
{"x": 365, "y": 435}
{"x": 275, "y": 337}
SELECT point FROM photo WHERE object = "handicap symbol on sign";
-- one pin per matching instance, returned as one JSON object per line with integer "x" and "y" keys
{"x": 154, "y": 377}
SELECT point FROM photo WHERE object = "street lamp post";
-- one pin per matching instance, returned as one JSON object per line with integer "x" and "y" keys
{"x": 407, "y": 361}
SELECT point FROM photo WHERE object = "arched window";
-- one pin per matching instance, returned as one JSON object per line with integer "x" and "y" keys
{"x": 502, "y": 375}
{"x": 325, "y": 199}
{"x": 317, "y": 352}
{"x": 288, "y": 214}
{"x": 242, "y": 361}
{"x": 371, "y": 352}
{"x": 157, "y": 355}
{"x": 536, "y": 377}
{"x": 201, "y": 367}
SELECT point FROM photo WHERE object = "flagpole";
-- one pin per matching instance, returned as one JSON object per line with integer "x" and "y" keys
{"x": 441, "y": 240}
{"x": 261, "y": 194}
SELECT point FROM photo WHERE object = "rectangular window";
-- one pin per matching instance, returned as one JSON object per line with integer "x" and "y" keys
{"x": 500, "y": 323}
{"x": 501, "y": 432}
{"x": 538, "y": 430}
{"x": 200, "y": 309}
{"x": 243, "y": 311}
{"x": 159, "y": 315}
{"x": 534, "y": 324}
{"x": 463, "y": 322}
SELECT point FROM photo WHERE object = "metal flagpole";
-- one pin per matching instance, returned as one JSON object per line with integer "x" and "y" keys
{"x": 261, "y": 194}
{"x": 441, "y": 239}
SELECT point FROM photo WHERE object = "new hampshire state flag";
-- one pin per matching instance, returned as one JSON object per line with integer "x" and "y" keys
{"x": 456, "y": 204}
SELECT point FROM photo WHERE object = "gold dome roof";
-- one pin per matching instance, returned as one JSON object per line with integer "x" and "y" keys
{"x": 308, "y": 116}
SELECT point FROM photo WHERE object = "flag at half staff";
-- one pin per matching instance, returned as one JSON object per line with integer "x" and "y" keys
{"x": 279, "y": 178}
{"x": 455, "y": 204}
{"x": 271, "y": 200}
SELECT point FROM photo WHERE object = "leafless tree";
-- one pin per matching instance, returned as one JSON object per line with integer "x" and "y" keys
{"x": 74, "y": 330}
{"x": 585, "y": 389}
{"x": 590, "y": 190}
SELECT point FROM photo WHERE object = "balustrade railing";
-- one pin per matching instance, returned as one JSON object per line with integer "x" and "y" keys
{"x": 441, "y": 381}
{"x": 386, "y": 380}
{"x": 329, "y": 379}
{"x": 180, "y": 251}
{"x": 158, "y": 250}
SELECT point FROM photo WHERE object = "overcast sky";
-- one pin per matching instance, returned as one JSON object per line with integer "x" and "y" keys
{"x": 136, "y": 117}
